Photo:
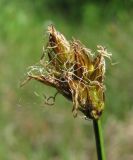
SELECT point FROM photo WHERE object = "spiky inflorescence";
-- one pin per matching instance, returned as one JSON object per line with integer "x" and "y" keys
{"x": 74, "y": 71}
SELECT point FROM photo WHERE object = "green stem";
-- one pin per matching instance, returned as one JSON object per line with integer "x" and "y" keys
{"x": 99, "y": 139}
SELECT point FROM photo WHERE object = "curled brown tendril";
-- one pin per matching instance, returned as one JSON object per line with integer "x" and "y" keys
{"x": 50, "y": 100}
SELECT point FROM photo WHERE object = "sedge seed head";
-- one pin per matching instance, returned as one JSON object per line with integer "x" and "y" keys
{"x": 75, "y": 72}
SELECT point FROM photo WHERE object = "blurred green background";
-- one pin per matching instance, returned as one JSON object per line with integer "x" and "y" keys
{"x": 30, "y": 130}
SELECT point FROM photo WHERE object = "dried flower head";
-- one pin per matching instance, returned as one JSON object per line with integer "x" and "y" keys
{"x": 74, "y": 71}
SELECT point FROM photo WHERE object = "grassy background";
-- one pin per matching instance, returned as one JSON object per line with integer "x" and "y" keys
{"x": 30, "y": 130}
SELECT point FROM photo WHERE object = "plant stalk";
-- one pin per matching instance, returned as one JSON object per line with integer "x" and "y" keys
{"x": 99, "y": 139}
